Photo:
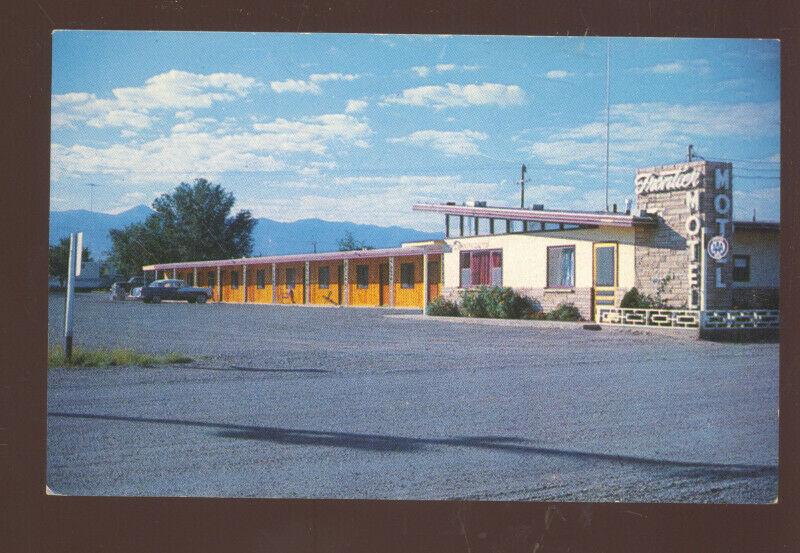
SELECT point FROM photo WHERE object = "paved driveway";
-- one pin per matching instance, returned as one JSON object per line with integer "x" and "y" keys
{"x": 288, "y": 401}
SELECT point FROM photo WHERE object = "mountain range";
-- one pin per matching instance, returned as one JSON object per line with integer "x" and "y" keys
{"x": 270, "y": 237}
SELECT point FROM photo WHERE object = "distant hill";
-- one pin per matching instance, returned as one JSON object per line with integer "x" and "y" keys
{"x": 269, "y": 237}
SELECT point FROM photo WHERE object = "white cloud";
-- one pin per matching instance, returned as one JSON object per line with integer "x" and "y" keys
{"x": 322, "y": 77}
{"x": 190, "y": 152}
{"x": 700, "y": 66}
{"x": 454, "y": 95}
{"x": 650, "y": 129}
{"x": 184, "y": 115}
{"x": 765, "y": 201}
{"x": 310, "y": 85}
{"x": 556, "y": 74}
{"x": 667, "y": 68}
{"x": 424, "y": 71}
{"x": 775, "y": 157}
{"x": 354, "y": 106}
{"x": 131, "y": 106}
{"x": 292, "y": 85}
{"x": 394, "y": 194}
{"x": 453, "y": 143}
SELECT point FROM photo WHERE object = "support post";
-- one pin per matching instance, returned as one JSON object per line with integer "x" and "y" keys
{"x": 274, "y": 283}
{"x": 174, "y": 273}
{"x": 307, "y": 283}
{"x": 461, "y": 225}
{"x": 244, "y": 281}
{"x": 425, "y": 283}
{"x": 219, "y": 284}
{"x": 391, "y": 281}
{"x": 491, "y": 226}
{"x": 702, "y": 263}
{"x": 447, "y": 225}
{"x": 346, "y": 283}
{"x": 70, "y": 300}
{"x": 194, "y": 276}
{"x": 508, "y": 226}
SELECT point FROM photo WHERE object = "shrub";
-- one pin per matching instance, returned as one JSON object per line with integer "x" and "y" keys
{"x": 635, "y": 299}
{"x": 565, "y": 312}
{"x": 495, "y": 302}
{"x": 441, "y": 307}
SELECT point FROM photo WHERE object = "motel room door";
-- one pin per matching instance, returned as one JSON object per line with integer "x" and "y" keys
{"x": 339, "y": 283}
{"x": 383, "y": 279}
{"x": 606, "y": 278}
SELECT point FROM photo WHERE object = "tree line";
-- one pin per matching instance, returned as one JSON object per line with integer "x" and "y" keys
{"x": 193, "y": 223}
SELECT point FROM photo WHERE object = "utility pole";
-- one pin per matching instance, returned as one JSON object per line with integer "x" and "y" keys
{"x": 522, "y": 187}
{"x": 691, "y": 153}
{"x": 608, "y": 109}
{"x": 91, "y": 195}
{"x": 315, "y": 246}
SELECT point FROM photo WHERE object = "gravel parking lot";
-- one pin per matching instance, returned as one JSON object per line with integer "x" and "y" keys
{"x": 286, "y": 401}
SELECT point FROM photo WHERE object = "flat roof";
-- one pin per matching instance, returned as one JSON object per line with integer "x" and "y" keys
{"x": 763, "y": 226}
{"x": 594, "y": 218}
{"x": 299, "y": 258}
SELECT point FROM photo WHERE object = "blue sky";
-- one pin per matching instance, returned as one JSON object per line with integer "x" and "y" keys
{"x": 359, "y": 127}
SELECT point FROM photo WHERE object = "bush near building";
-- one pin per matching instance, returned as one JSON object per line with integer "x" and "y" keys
{"x": 441, "y": 307}
{"x": 564, "y": 312}
{"x": 495, "y": 302}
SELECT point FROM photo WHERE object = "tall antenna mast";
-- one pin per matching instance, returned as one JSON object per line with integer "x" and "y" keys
{"x": 522, "y": 187}
{"x": 608, "y": 111}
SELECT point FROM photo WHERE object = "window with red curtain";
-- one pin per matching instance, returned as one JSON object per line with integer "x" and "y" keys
{"x": 481, "y": 268}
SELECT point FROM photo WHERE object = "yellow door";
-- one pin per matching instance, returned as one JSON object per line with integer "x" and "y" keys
{"x": 605, "y": 275}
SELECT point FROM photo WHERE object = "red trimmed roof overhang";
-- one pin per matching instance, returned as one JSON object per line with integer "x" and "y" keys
{"x": 601, "y": 219}
{"x": 300, "y": 258}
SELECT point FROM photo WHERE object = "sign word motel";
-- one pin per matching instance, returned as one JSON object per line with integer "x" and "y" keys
{"x": 681, "y": 178}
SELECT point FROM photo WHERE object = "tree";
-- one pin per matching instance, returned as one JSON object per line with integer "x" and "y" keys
{"x": 193, "y": 223}
{"x": 58, "y": 260}
{"x": 348, "y": 243}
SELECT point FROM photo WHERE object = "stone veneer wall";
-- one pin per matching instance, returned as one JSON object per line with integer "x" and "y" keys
{"x": 662, "y": 251}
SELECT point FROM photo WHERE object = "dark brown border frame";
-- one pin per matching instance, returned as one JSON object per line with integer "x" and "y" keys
{"x": 31, "y": 521}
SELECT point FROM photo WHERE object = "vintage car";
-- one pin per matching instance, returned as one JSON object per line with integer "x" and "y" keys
{"x": 173, "y": 289}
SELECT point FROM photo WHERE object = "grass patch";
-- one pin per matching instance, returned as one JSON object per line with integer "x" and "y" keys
{"x": 104, "y": 357}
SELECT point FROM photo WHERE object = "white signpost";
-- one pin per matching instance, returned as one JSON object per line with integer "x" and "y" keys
{"x": 73, "y": 270}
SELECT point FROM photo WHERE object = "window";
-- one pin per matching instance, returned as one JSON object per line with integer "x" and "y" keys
{"x": 261, "y": 278}
{"x": 362, "y": 276}
{"x": 324, "y": 277}
{"x": 291, "y": 278}
{"x": 605, "y": 266}
{"x": 741, "y": 268}
{"x": 481, "y": 268}
{"x": 234, "y": 280}
{"x": 407, "y": 275}
{"x": 561, "y": 267}
{"x": 212, "y": 278}
{"x": 464, "y": 275}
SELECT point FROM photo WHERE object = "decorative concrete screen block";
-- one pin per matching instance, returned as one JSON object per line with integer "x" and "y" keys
{"x": 693, "y": 203}
{"x": 675, "y": 318}
{"x": 760, "y": 318}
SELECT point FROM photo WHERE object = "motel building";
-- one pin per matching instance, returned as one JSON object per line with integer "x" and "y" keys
{"x": 680, "y": 243}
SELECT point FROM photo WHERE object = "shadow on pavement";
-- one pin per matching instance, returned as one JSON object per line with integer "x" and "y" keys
{"x": 383, "y": 442}
{"x": 254, "y": 369}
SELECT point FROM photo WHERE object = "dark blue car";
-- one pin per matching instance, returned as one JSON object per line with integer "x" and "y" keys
{"x": 174, "y": 289}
